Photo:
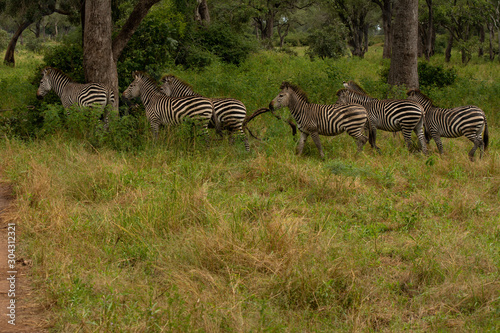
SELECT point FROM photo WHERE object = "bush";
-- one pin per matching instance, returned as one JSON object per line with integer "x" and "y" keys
{"x": 203, "y": 43}
{"x": 327, "y": 43}
{"x": 428, "y": 75}
{"x": 4, "y": 39}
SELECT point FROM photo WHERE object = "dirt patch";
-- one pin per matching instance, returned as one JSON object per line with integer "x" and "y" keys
{"x": 18, "y": 310}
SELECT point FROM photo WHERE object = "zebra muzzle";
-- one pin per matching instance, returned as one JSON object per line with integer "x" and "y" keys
{"x": 271, "y": 106}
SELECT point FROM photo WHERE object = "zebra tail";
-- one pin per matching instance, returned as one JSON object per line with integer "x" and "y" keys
{"x": 486, "y": 137}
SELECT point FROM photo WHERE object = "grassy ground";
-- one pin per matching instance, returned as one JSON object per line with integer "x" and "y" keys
{"x": 176, "y": 237}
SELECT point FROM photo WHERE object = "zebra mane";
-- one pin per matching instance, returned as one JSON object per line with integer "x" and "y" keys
{"x": 351, "y": 85}
{"x": 145, "y": 76}
{"x": 57, "y": 71}
{"x": 419, "y": 93}
{"x": 340, "y": 91}
{"x": 301, "y": 93}
{"x": 184, "y": 83}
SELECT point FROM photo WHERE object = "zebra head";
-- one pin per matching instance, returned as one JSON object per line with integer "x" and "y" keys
{"x": 166, "y": 84}
{"x": 134, "y": 89}
{"x": 45, "y": 83}
{"x": 288, "y": 94}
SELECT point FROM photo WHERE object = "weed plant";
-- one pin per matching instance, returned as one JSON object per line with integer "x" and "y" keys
{"x": 174, "y": 236}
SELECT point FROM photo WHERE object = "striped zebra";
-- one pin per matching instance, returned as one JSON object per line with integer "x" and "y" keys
{"x": 317, "y": 119}
{"x": 165, "y": 110}
{"x": 72, "y": 93}
{"x": 230, "y": 112}
{"x": 389, "y": 115}
{"x": 469, "y": 121}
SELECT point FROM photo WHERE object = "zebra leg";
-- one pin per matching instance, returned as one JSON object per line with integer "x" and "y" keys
{"x": 361, "y": 141}
{"x": 478, "y": 142}
{"x": 439, "y": 144}
{"x": 407, "y": 137}
{"x": 155, "y": 129}
{"x": 245, "y": 139}
{"x": 359, "y": 137}
{"x": 372, "y": 137}
{"x": 419, "y": 131}
{"x": 315, "y": 137}
{"x": 302, "y": 141}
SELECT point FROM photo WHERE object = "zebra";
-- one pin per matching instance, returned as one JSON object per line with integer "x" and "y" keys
{"x": 351, "y": 85}
{"x": 318, "y": 119}
{"x": 165, "y": 110}
{"x": 469, "y": 121}
{"x": 230, "y": 112}
{"x": 72, "y": 93}
{"x": 389, "y": 115}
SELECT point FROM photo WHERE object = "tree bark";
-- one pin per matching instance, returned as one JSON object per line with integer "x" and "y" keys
{"x": 202, "y": 15}
{"x": 403, "y": 69}
{"x": 482, "y": 37}
{"x": 98, "y": 62}
{"x": 386, "y": 7}
{"x": 429, "y": 46}
{"x": 9, "y": 54}
{"x": 449, "y": 46}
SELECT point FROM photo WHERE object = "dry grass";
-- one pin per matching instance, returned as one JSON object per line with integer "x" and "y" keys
{"x": 174, "y": 237}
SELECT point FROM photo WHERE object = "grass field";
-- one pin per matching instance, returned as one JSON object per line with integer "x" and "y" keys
{"x": 178, "y": 238}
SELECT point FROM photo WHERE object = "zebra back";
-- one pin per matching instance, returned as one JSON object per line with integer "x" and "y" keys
{"x": 165, "y": 110}
{"x": 467, "y": 120}
{"x": 326, "y": 119}
{"x": 70, "y": 92}
{"x": 229, "y": 112}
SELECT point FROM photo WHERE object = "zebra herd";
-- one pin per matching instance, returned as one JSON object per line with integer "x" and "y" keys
{"x": 354, "y": 112}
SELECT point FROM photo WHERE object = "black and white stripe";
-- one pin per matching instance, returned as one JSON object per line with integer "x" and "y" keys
{"x": 164, "y": 110}
{"x": 389, "y": 115}
{"x": 469, "y": 121}
{"x": 72, "y": 93}
{"x": 317, "y": 119}
{"x": 230, "y": 112}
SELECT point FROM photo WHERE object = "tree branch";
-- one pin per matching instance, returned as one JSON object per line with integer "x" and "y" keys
{"x": 128, "y": 29}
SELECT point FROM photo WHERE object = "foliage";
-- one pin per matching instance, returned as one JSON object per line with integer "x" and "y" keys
{"x": 327, "y": 43}
{"x": 428, "y": 75}
{"x": 4, "y": 39}
{"x": 203, "y": 43}
{"x": 153, "y": 46}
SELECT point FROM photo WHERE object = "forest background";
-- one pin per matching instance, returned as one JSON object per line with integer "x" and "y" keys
{"x": 127, "y": 235}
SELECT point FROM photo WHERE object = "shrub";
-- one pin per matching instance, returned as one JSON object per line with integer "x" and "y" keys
{"x": 327, "y": 43}
{"x": 428, "y": 75}
{"x": 4, "y": 39}
{"x": 203, "y": 43}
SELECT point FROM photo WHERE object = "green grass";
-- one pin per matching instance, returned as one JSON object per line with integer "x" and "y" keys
{"x": 178, "y": 238}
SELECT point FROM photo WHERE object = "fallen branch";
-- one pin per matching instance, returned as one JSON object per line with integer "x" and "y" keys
{"x": 262, "y": 111}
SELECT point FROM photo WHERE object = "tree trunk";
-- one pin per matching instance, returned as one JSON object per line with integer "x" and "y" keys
{"x": 98, "y": 62}
{"x": 449, "y": 45}
{"x": 482, "y": 37}
{"x": 386, "y": 7}
{"x": 491, "y": 35}
{"x": 429, "y": 46}
{"x": 403, "y": 69}
{"x": 9, "y": 54}
{"x": 202, "y": 15}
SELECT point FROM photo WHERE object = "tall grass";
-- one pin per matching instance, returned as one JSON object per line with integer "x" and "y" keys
{"x": 176, "y": 237}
